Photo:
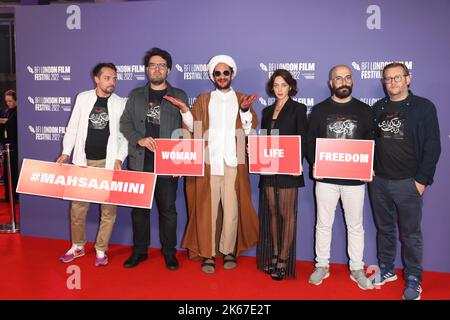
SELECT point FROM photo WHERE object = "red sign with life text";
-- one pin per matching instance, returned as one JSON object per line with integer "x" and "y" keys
{"x": 90, "y": 184}
{"x": 344, "y": 159}
{"x": 181, "y": 157}
{"x": 275, "y": 154}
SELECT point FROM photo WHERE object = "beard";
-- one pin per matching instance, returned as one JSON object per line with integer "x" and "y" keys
{"x": 224, "y": 86}
{"x": 107, "y": 90}
{"x": 157, "y": 81}
{"x": 343, "y": 92}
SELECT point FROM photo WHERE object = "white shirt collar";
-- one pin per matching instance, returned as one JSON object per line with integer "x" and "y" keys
{"x": 220, "y": 93}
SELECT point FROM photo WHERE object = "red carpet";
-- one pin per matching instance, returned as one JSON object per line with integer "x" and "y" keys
{"x": 29, "y": 269}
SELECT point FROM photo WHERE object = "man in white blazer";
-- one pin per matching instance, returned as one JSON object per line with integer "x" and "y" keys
{"x": 94, "y": 136}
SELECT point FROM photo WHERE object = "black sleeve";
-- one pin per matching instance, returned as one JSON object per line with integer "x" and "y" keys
{"x": 302, "y": 127}
{"x": 426, "y": 167}
{"x": 312, "y": 134}
{"x": 370, "y": 128}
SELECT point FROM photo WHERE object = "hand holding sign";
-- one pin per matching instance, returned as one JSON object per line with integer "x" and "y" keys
{"x": 62, "y": 159}
{"x": 148, "y": 143}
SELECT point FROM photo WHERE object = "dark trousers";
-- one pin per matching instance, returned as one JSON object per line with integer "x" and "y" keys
{"x": 398, "y": 201}
{"x": 14, "y": 171}
{"x": 165, "y": 196}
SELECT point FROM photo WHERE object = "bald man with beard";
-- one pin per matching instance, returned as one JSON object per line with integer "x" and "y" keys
{"x": 339, "y": 117}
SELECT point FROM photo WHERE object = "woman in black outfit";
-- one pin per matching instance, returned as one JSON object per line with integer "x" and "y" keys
{"x": 279, "y": 193}
{"x": 8, "y": 134}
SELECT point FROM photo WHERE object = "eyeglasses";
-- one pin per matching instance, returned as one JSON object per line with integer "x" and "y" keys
{"x": 397, "y": 78}
{"x": 226, "y": 73}
{"x": 340, "y": 78}
{"x": 157, "y": 65}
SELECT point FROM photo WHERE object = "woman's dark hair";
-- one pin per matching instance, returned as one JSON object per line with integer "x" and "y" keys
{"x": 286, "y": 75}
{"x": 158, "y": 52}
{"x": 11, "y": 93}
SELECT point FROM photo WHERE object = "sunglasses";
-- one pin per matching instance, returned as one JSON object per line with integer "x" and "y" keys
{"x": 226, "y": 73}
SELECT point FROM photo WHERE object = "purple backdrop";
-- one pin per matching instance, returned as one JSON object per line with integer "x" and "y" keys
{"x": 57, "y": 46}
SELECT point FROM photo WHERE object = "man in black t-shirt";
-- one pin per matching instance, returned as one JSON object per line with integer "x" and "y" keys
{"x": 339, "y": 117}
{"x": 94, "y": 137}
{"x": 407, "y": 148}
{"x": 148, "y": 116}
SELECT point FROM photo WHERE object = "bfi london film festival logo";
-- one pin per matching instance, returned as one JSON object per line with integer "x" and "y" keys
{"x": 129, "y": 72}
{"x": 298, "y": 70}
{"x": 51, "y": 104}
{"x": 308, "y": 102}
{"x": 374, "y": 69}
{"x": 191, "y": 101}
{"x": 50, "y": 73}
{"x": 47, "y": 133}
{"x": 193, "y": 71}
{"x": 370, "y": 101}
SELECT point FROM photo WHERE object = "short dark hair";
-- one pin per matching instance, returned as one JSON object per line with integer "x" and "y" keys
{"x": 11, "y": 93}
{"x": 395, "y": 65}
{"x": 99, "y": 66}
{"x": 286, "y": 75}
{"x": 158, "y": 52}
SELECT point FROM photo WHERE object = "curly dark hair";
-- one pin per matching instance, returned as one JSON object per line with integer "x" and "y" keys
{"x": 286, "y": 75}
{"x": 158, "y": 52}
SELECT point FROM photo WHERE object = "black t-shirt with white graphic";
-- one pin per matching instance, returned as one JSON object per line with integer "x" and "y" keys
{"x": 152, "y": 123}
{"x": 333, "y": 120}
{"x": 98, "y": 130}
{"x": 394, "y": 155}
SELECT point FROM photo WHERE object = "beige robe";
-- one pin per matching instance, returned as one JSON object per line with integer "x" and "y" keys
{"x": 198, "y": 194}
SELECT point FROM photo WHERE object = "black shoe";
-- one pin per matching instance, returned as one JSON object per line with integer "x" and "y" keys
{"x": 280, "y": 271}
{"x": 171, "y": 262}
{"x": 134, "y": 260}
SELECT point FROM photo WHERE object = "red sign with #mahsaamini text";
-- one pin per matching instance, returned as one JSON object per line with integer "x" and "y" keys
{"x": 90, "y": 184}
{"x": 275, "y": 154}
{"x": 344, "y": 159}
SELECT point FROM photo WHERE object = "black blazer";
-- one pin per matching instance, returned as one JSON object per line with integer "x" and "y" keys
{"x": 9, "y": 128}
{"x": 290, "y": 121}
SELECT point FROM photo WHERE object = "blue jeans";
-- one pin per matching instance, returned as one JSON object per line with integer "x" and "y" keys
{"x": 398, "y": 201}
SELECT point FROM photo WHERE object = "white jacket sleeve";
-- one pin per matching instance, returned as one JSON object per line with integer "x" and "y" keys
{"x": 188, "y": 120}
{"x": 72, "y": 128}
{"x": 122, "y": 142}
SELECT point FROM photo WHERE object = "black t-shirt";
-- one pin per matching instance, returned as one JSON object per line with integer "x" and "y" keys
{"x": 98, "y": 130}
{"x": 333, "y": 120}
{"x": 394, "y": 153}
{"x": 152, "y": 124}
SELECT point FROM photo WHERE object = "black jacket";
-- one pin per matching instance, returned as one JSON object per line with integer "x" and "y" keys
{"x": 9, "y": 129}
{"x": 423, "y": 125}
{"x": 290, "y": 121}
{"x": 132, "y": 122}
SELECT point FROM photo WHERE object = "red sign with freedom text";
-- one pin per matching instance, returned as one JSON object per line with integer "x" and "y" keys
{"x": 275, "y": 154}
{"x": 90, "y": 184}
{"x": 344, "y": 159}
{"x": 181, "y": 157}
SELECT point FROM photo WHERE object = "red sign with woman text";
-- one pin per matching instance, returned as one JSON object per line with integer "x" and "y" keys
{"x": 182, "y": 157}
